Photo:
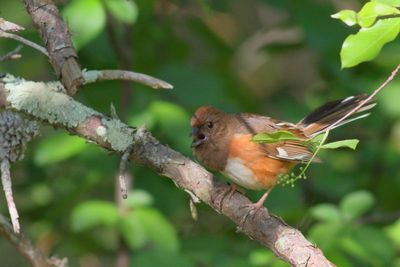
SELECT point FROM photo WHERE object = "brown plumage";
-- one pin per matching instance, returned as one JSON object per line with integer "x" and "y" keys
{"x": 223, "y": 141}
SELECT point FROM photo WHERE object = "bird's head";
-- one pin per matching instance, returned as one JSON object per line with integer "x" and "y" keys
{"x": 207, "y": 124}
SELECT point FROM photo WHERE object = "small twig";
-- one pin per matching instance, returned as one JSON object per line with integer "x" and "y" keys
{"x": 24, "y": 41}
{"x": 362, "y": 103}
{"x": 320, "y": 144}
{"x": 24, "y": 246}
{"x": 9, "y": 26}
{"x": 92, "y": 76}
{"x": 6, "y": 180}
{"x": 100, "y": 75}
{"x": 12, "y": 55}
{"x": 123, "y": 173}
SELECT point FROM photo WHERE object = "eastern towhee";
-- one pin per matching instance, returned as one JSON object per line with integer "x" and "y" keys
{"x": 223, "y": 142}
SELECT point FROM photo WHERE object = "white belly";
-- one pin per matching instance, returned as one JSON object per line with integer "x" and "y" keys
{"x": 240, "y": 174}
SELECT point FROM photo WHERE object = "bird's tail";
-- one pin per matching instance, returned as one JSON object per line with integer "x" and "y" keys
{"x": 323, "y": 117}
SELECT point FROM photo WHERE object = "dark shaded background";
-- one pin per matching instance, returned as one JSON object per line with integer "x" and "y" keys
{"x": 279, "y": 58}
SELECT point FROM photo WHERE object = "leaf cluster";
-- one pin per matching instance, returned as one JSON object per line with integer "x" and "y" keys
{"x": 379, "y": 22}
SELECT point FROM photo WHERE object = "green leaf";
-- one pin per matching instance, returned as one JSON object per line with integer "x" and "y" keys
{"x": 86, "y": 19}
{"x": 124, "y": 10}
{"x": 395, "y": 3}
{"x": 93, "y": 213}
{"x": 368, "y": 42}
{"x": 349, "y": 143}
{"x": 146, "y": 225}
{"x": 356, "y": 204}
{"x": 58, "y": 147}
{"x": 274, "y": 137}
{"x": 371, "y": 10}
{"x": 326, "y": 213}
{"x": 349, "y": 17}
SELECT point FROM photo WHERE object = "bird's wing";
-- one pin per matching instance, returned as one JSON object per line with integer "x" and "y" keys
{"x": 291, "y": 150}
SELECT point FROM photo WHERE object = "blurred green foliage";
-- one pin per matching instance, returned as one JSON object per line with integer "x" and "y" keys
{"x": 274, "y": 57}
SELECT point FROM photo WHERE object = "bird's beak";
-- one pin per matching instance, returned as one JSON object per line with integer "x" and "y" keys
{"x": 197, "y": 140}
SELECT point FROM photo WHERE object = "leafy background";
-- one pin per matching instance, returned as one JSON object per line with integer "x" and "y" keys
{"x": 279, "y": 58}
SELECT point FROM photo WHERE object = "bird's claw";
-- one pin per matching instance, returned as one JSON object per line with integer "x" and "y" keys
{"x": 227, "y": 193}
{"x": 252, "y": 210}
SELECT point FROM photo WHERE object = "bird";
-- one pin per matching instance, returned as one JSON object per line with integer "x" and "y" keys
{"x": 223, "y": 142}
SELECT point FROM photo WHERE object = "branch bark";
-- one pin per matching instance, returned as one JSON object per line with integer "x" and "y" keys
{"x": 57, "y": 38}
{"x": 45, "y": 102}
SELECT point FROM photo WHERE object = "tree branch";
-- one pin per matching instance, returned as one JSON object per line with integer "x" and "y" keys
{"x": 57, "y": 38}
{"x": 12, "y": 55}
{"x": 87, "y": 76}
{"x": 6, "y": 181}
{"x": 18, "y": 38}
{"x": 25, "y": 247}
{"x": 44, "y": 102}
{"x": 92, "y": 76}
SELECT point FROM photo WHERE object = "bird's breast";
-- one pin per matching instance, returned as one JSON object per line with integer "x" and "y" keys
{"x": 249, "y": 166}
{"x": 240, "y": 174}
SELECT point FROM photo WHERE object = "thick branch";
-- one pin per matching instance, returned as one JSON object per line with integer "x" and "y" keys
{"x": 24, "y": 246}
{"x": 43, "y": 102}
{"x": 57, "y": 38}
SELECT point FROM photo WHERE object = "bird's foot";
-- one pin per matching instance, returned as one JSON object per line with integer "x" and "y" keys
{"x": 253, "y": 208}
{"x": 227, "y": 193}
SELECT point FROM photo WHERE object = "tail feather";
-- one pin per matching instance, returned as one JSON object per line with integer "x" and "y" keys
{"x": 320, "y": 119}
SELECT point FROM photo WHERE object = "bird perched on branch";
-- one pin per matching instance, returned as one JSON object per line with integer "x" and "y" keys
{"x": 223, "y": 142}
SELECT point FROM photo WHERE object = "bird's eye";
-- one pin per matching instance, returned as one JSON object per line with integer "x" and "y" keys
{"x": 210, "y": 124}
